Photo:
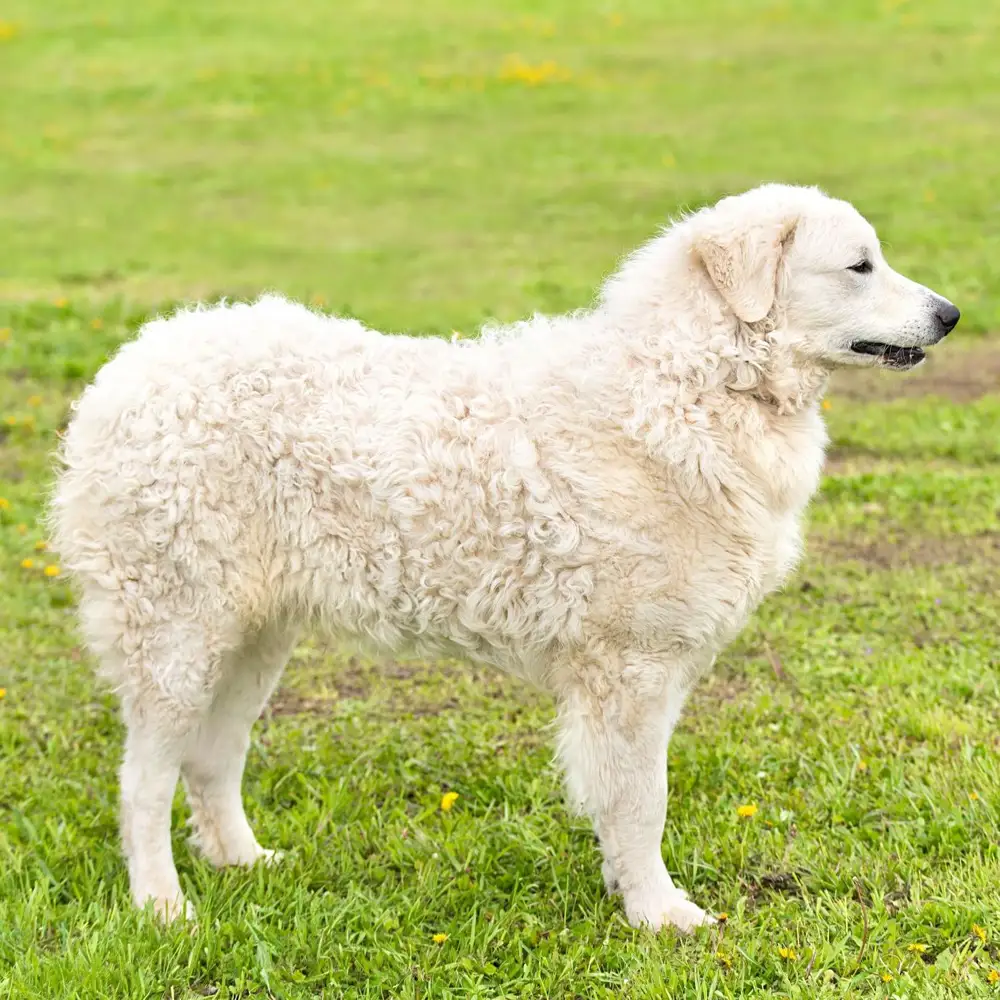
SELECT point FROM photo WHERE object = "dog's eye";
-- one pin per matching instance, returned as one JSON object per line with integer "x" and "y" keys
{"x": 862, "y": 267}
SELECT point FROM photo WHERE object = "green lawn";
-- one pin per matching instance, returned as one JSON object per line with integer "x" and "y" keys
{"x": 424, "y": 166}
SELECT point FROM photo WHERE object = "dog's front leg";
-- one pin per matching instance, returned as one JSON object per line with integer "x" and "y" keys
{"x": 613, "y": 744}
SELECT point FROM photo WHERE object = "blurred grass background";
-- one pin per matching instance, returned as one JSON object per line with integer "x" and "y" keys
{"x": 425, "y": 166}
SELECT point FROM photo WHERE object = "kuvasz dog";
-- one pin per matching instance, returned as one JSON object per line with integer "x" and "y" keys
{"x": 593, "y": 502}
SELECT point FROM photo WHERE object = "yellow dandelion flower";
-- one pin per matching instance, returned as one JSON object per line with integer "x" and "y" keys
{"x": 34, "y": 401}
{"x": 973, "y": 796}
{"x": 918, "y": 948}
{"x": 4, "y": 503}
{"x": 789, "y": 954}
{"x": 515, "y": 69}
{"x": 746, "y": 811}
{"x": 980, "y": 932}
{"x": 448, "y": 800}
{"x": 725, "y": 959}
{"x": 615, "y": 20}
{"x": 887, "y": 977}
{"x": 52, "y": 571}
{"x": 318, "y": 300}
{"x": 827, "y": 405}
{"x": 4, "y": 335}
{"x": 3, "y": 692}
{"x": 993, "y": 976}
{"x": 7, "y": 31}
{"x": 439, "y": 938}
{"x": 22, "y": 529}
{"x": 722, "y": 917}
{"x": 60, "y": 303}
{"x": 27, "y": 564}
{"x": 40, "y": 546}
{"x": 96, "y": 323}
{"x": 10, "y": 421}
{"x": 862, "y": 765}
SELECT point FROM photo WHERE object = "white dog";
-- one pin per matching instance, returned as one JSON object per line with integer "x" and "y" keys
{"x": 594, "y": 502}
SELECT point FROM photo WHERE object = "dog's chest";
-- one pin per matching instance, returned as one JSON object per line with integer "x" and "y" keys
{"x": 713, "y": 556}
{"x": 779, "y": 474}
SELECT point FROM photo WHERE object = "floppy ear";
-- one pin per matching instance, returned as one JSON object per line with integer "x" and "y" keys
{"x": 743, "y": 265}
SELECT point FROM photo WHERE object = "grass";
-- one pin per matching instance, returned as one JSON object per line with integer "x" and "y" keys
{"x": 342, "y": 151}
{"x": 424, "y": 166}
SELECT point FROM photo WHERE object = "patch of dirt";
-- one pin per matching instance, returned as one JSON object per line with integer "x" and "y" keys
{"x": 898, "y": 899}
{"x": 324, "y": 680}
{"x": 291, "y": 702}
{"x": 783, "y": 883}
{"x": 961, "y": 372}
{"x": 912, "y": 550}
{"x": 786, "y": 883}
{"x": 858, "y": 462}
{"x": 10, "y": 470}
{"x": 421, "y": 710}
{"x": 721, "y": 688}
{"x": 347, "y": 681}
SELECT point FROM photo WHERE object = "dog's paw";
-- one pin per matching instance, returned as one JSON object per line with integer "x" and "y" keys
{"x": 169, "y": 909}
{"x": 253, "y": 855}
{"x": 665, "y": 908}
{"x": 234, "y": 853}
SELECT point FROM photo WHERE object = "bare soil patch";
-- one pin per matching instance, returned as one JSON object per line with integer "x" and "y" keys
{"x": 318, "y": 681}
{"x": 857, "y": 462}
{"x": 913, "y": 550}
{"x": 961, "y": 372}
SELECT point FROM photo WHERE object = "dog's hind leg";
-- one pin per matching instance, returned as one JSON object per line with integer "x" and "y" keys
{"x": 613, "y": 745}
{"x": 214, "y": 759}
{"x": 149, "y": 772}
{"x": 166, "y": 691}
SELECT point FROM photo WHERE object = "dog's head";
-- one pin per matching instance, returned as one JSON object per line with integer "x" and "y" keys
{"x": 816, "y": 265}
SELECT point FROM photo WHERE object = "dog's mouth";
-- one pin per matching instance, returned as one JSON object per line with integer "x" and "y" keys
{"x": 889, "y": 355}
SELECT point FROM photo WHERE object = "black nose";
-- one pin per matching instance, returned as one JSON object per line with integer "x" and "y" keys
{"x": 948, "y": 316}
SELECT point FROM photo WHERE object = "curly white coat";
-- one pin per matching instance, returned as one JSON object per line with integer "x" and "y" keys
{"x": 594, "y": 502}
